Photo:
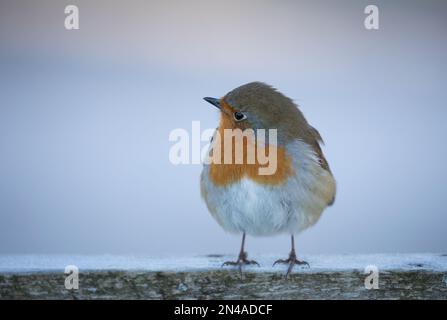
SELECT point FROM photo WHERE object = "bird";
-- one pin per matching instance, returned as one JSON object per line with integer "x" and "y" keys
{"x": 290, "y": 200}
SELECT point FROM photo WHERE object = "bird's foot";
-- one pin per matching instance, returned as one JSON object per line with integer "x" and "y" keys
{"x": 291, "y": 261}
{"x": 241, "y": 261}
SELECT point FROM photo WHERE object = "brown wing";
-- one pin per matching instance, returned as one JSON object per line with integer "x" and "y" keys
{"x": 314, "y": 139}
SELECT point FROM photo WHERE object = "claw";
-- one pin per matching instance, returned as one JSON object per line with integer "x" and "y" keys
{"x": 253, "y": 262}
{"x": 242, "y": 260}
{"x": 291, "y": 261}
{"x": 279, "y": 261}
{"x": 230, "y": 263}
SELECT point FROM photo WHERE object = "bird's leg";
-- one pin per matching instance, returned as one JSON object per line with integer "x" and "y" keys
{"x": 242, "y": 259}
{"x": 292, "y": 260}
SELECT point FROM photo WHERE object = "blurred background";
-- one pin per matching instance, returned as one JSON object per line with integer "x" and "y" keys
{"x": 85, "y": 117}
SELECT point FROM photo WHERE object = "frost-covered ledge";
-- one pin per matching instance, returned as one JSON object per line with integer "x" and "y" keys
{"x": 401, "y": 276}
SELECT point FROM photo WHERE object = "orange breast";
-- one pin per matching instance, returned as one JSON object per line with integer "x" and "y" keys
{"x": 223, "y": 174}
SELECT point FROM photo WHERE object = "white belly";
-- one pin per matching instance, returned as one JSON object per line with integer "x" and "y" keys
{"x": 296, "y": 204}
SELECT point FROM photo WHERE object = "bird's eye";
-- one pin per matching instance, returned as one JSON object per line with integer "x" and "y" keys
{"x": 239, "y": 116}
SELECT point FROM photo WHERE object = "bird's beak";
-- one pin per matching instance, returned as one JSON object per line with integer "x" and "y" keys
{"x": 215, "y": 102}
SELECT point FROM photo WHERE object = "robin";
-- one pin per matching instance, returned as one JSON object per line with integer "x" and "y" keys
{"x": 289, "y": 200}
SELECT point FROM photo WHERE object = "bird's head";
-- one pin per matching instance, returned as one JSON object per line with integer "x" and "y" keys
{"x": 257, "y": 105}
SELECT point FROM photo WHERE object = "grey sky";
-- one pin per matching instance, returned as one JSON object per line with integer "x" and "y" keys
{"x": 85, "y": 117}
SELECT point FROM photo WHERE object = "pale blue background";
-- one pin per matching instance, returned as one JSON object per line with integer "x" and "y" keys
{"x": 85, "y": 117}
